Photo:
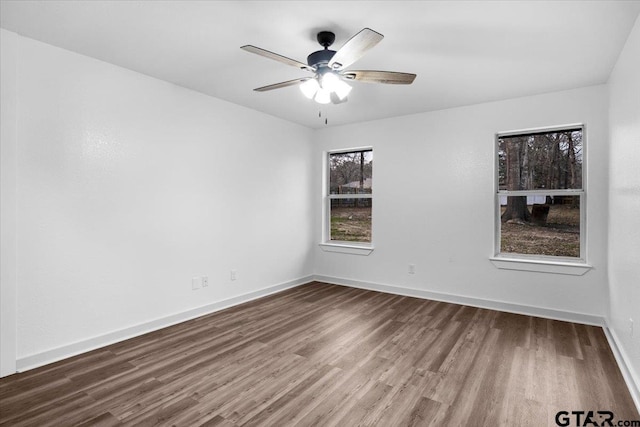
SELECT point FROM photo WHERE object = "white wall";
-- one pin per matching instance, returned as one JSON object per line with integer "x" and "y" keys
{"x": 434, "y": 202}
{"x": 624, "y": 202}
{"x": 128, "y": 186}
{"x": 8, "y": 118}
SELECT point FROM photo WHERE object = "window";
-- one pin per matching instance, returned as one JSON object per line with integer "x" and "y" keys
{"x": 540, "y": 199}
{"x": 349, "y": 197}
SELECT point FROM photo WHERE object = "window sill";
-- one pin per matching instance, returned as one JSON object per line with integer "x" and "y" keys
{"x": 541, "y": 266}
{"x": 346, "y": 248}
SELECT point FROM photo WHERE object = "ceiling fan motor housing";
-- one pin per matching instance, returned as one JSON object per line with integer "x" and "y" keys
{"x": 320, "y": 58}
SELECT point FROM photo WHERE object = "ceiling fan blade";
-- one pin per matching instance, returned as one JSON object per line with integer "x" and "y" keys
{"x": 282, "y": 84}
{"x": 389, "y": 77}
{"x": 354, "y": 48}
{"x": 276, "y": 57}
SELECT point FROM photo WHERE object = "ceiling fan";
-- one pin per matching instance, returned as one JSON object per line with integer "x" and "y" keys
{"x": 329, "y": 82}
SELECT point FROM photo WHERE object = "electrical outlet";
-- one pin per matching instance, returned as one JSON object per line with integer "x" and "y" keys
{"x": 630, "y": 326}
{"x": 196, "y": 283}
{"x": 205, "y": 281}
{"x": 234, "y": 274}
{"x": 412, "y": 269}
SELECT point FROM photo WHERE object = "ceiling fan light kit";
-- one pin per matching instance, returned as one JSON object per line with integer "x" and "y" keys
{"x": 323, "y": 88}
{"x": 329, "y": 67}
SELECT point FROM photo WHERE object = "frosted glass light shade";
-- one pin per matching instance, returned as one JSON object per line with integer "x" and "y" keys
{"x": 332, "y": 83}
{"x": 341, "y": 89}
{"x": 323, "y": 96}
{"x": 309, "y": 88}
{"x": 329, "y": 81}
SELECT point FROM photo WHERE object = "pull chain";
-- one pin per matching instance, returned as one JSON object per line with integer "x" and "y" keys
{"x": 326, "y": 119}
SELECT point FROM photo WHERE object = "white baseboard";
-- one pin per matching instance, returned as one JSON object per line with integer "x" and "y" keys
{"x": 66, "y": 351}
{"x": 624, "y": 363}
{"x": 548, "y": 313}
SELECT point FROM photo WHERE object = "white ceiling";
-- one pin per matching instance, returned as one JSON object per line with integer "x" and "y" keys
{"x": 463, "y": 52}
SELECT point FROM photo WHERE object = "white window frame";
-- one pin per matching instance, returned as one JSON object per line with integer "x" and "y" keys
{"x": 542, "y": 263}
{"x": 340, "y": 246}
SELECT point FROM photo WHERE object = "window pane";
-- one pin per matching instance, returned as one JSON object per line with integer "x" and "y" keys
{"x": 551, "y": 160}
{"x": 351, "y": 173}
{"x": 540, "y": 225}
{"x": 351, "y": 220}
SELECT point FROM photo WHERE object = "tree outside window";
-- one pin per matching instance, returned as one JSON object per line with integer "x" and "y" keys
{"x": 540, "y": 195}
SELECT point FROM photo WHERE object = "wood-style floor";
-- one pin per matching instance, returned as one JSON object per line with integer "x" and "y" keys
{"x": 330, "y": 355}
